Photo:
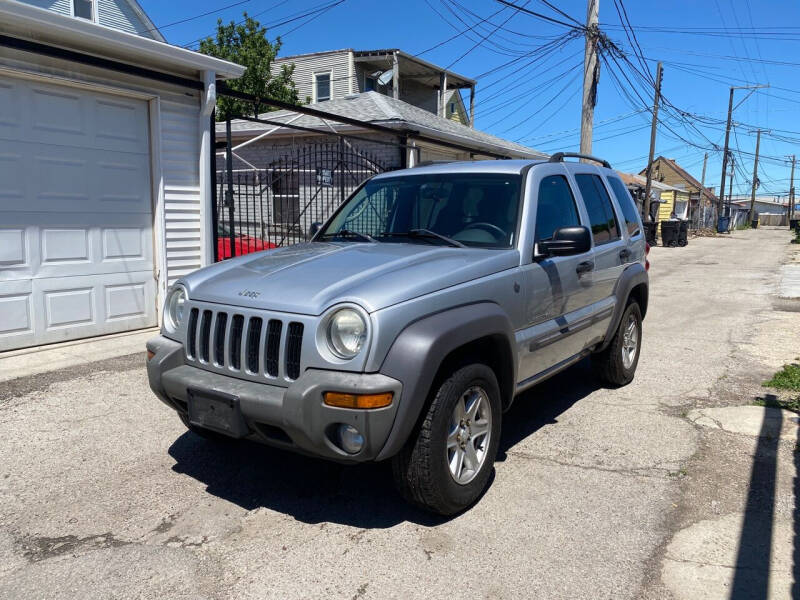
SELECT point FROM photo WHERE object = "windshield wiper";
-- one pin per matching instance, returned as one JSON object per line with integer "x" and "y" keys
{"x": 426, "y": 234}
{"x": 349, "y": 233}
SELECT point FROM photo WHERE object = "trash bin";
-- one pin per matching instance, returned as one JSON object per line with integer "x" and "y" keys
{"x": 683, "y": 233}
{"x": 669, "y": 233}
{"x": 650, "y": 232}
{"x": 754, "y": 223}
{"x": 793, "y": 224}
{"x": 723, "y": 223}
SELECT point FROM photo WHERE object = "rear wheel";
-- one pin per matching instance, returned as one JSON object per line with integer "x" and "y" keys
{"x": 616, "y": 364}
{"x": 446, "y": 465}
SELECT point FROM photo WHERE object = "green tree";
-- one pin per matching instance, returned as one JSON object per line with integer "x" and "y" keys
{"x": 247, "y": 44}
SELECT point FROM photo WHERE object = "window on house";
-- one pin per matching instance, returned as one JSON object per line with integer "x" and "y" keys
{"x": 322, "y": 86}
{"x": 83, "y": 9}
{"x": 598, "y": 205}
{"x": 452, "y": 108}
{"x": 370, "y": 85}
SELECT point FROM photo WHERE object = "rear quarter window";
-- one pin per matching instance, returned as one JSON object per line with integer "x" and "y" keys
{"x": 625, "y": 201}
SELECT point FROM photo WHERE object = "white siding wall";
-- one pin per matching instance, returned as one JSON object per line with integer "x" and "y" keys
{"x": 180, "y": 152}
{"x": 63, "y": 7}
{"x": 116, "y": 14}
{"x": 335, "y": 62}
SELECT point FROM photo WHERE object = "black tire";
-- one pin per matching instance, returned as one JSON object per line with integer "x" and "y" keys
{"x": 421, "y": 471}
{"x": 608, "y": 363}
{"x": 207, "y": 434}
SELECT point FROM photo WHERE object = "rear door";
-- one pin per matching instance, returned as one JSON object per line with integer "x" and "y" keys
{"x": 633, "y": 229}
{"x": 610, "y": 246}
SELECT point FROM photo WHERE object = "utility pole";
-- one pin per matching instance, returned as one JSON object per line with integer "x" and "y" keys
{"x": 702, "y": 200}
{"x": 730, "y": 185}
{"x": 727, "y": 139}
{"x": 791, "y": 190}
{"x": 591, "y": 74}
{"x": 649, "y": 174}
{"x": 750, "y": 215}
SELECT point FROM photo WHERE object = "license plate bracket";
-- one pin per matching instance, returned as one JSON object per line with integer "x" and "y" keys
{"x": 216, "y": 411}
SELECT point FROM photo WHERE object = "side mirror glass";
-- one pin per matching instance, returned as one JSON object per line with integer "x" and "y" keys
{"x": 567, "y": 241}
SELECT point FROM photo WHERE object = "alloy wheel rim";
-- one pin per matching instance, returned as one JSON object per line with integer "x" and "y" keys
{"x": 469, "y": 434}
{"x": 630, "y": 342}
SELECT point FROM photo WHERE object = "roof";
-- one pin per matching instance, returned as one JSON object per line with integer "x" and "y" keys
{"x": 45, "y": 26}
{"x": 684, "y": 174}
{"x": 379, "y": 109}
{"x": 631, "y": 179}
{"x": 410, "y": 65}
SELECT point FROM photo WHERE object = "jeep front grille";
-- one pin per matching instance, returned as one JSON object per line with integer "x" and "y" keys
{"x": 243, "y": 344}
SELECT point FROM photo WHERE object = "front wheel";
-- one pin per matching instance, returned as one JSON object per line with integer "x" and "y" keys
{"x": 616, "y": 364}
{"x": 446, "y": 466}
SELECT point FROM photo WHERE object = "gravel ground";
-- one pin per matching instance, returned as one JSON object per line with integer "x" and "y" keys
{"x": 597, "y": 493}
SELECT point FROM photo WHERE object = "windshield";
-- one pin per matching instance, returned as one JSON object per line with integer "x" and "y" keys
{"x": 471, "y": 209}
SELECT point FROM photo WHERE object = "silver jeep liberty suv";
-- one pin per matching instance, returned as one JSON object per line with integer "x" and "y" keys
{"x": 406, "y": 326}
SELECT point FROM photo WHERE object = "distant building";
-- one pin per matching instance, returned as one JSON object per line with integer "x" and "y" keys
{"x": 335, "y": 74}
{"x": 669, "y": 172}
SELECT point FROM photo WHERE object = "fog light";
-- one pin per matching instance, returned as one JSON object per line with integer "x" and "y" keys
{"x": 350, "y": 439}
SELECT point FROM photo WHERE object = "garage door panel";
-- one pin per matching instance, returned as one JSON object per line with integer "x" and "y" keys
{"x": 76, "y": 225}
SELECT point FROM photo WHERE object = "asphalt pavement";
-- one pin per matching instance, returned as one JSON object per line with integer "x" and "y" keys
{"x": 665, "y": 488}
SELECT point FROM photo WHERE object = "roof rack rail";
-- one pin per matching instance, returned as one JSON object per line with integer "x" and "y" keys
{"x": 560, "y": 156}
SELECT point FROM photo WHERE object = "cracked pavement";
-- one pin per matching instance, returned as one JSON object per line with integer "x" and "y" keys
{"x": 597, "y": 493}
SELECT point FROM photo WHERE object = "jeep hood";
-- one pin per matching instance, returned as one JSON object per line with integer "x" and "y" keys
{"x": 309, "y": 278}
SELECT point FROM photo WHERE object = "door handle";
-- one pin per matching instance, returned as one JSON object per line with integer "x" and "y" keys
{"x": 584, "y": 267}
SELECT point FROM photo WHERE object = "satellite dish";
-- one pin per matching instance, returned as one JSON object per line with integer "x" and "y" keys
{"x": 386, "y": 77}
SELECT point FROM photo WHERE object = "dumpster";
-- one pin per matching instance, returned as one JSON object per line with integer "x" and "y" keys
{"x": 650, "y": 232}
{"x": 683, "y": 233}
{"x": 723, "y": 223}
{"x": 669, "y": 233}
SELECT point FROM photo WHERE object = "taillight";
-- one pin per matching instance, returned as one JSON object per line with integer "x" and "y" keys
{"x": 646, "y": 252}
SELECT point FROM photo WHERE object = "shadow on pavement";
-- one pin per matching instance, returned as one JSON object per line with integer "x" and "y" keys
{"x": 751, "y": 576}
{"x": 311, "y": 490}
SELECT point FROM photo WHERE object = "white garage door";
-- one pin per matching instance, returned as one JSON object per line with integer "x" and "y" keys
{"x": 76, "y": 245}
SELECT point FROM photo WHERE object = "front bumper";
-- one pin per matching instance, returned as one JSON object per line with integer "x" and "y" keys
{"x": 293, "y": 417}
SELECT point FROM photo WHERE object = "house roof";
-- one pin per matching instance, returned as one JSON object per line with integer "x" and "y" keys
{"x": 379, "y": 109}
{"x": 48, "y": 27}
{"x": 410, "y": 65}
{"x": 633, "y": 180}
{"x": 684, "y": 174}
{"x": 151, "y": 28}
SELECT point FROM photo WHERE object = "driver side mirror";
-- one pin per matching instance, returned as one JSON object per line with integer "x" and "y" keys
{"x": 567, "y": 241}
{"x": 315, "y": 227}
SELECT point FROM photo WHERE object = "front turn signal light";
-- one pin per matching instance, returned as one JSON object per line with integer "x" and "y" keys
{"x": 341, "y": 400}
{"x": 150, "y": 355}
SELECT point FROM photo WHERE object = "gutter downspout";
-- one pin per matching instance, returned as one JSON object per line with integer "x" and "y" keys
{"x": 207, "y": 105}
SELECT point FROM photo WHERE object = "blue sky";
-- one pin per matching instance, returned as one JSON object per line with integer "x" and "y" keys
{"x": 706, "y": 47}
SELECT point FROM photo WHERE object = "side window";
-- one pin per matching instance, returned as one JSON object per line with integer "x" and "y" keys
{"x": 598, "y": 205}
{"x": 322, "y": 86}
{"x": 555, "y": 207}
{"x": 625, "y": 201}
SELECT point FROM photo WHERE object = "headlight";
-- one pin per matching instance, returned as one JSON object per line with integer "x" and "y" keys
{"x": 347, "y": 332}
{"x": 173, "y": 308}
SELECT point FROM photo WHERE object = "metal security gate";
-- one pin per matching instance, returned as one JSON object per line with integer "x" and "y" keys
{"x": 263, "y": 208}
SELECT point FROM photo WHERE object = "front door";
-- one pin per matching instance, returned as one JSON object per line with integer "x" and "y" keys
{"x": 557, "y": 289}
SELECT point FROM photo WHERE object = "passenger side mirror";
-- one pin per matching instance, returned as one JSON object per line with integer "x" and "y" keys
{"x": 315, "y": 227}
{"x": 566, "y": 242}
